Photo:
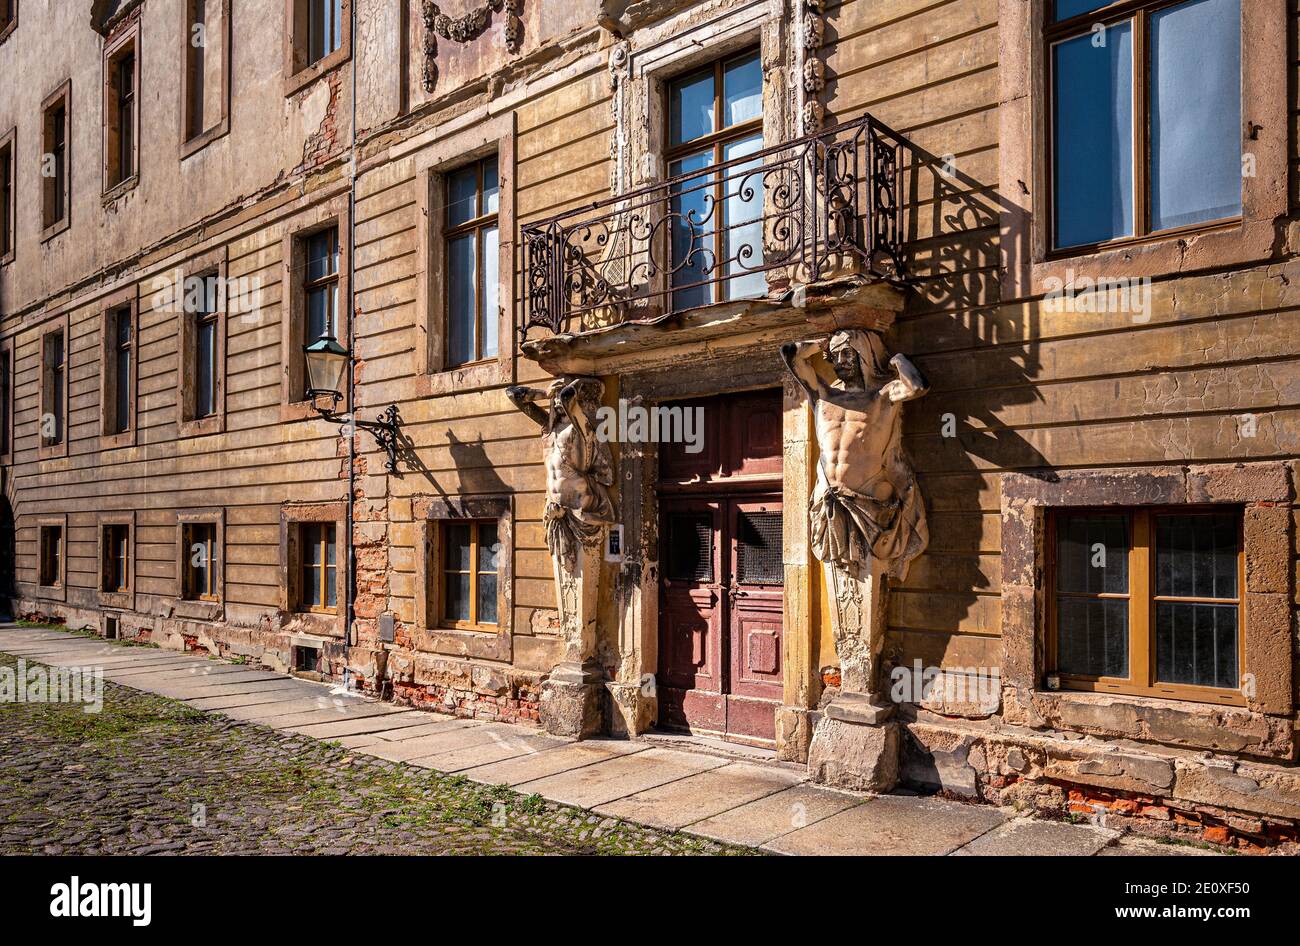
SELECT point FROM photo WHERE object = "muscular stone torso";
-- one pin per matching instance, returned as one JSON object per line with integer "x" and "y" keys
{"x": 854, "y": 432}
{"x": 565, "y": 486}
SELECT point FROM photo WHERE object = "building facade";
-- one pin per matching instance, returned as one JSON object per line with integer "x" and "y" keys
{"x": 908, "y": 388}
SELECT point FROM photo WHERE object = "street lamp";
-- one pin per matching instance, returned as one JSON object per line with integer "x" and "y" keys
{"x": 327, "y": 364}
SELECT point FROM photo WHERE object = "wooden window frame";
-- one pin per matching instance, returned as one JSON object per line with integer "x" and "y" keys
{"x": 208, "y": 609}
{"x": 717, "y": 140}
{"x": 123, "y": 598}
{"x": 434, "y": 376}
{"x": 477, "y": 226}
{"x": 1029, "y": 265}
{"x": 116, "y": 179}
{"x": 7, "y": 29}
{"x": 192, "y": 141}
{"x": 298, "y": 72}
{"x": 442, "y": 570}
{"x": 187, "y": 423}
{"x": 9, "y": 208}
{"x": 332, "y": 623}
{"x": 1142, "y": 600}
{"x": 46, "y": 450}
{"x": 8, "y": 374}
{"x": 125, "y": 301}
{"x": 1138, "y": 12}
{"x": 294, "y": 405}
{"x": 51, "y": 194}
{"x": 59, "y": 590}
{"x": 304, "y": 566}
{"x": 430, "y": 633}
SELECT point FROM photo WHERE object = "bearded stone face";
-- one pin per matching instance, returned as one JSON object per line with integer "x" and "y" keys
{"x": 844, "y": 361}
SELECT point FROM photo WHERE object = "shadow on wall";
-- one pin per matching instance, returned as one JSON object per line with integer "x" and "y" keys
{"x": 980, "y": 358}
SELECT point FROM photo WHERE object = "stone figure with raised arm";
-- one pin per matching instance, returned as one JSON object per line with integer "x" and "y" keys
{"x": 866, "y": 518}
{"x": 579, "y": 466}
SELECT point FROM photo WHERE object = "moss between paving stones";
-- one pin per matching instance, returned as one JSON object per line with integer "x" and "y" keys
{"x": 151, "y": 775}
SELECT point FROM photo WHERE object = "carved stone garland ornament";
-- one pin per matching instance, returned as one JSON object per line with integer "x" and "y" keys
{"x": 465, "y": 29}
{"x": 814, "y": 70}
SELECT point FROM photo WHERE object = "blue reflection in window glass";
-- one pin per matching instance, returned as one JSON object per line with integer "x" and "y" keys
{"x": 1195, "y": 113}
{"x": 1064, "y": 9}
{"x": 742, "y": 90}
{"x": 1092, "y": 91}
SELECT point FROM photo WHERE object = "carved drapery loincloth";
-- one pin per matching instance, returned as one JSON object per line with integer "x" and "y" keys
{"x": 849, "y": 528}
{"x": 567, "y": 532}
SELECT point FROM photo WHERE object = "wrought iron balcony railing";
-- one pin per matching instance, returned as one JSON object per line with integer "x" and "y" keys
{"x": 823, "y": 207}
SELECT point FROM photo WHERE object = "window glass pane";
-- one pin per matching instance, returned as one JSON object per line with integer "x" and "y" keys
{"x": 744, "y": 214}
{"x": 1092, "y": 142}
{"x": 1092, "y": 554}
{"x": 331, "y": 585}
{"x": 320, "y": 313}
{"x": 461, "y": 274}
{"x": 1195, "y": 113}
{"x": 462, "y": 195}
{"x": 742, "y": 90}
{"x": 1196, "y": 644}
{"x": 311, "y": 552}
{"x": 691, "y": 211}
{"x": 491, "y": 187}
{"x": 456, "y": 537}
{"x": 205, "y": 375}
{"x": 491, "y": 278}
{"x": 1196, "y": 556}
{"x": 1092, "y": 637}
{"x": 311, "y": 586}
{"x": 322, "y": 255}
{"x": 487, "y": 599}
{"x": 1064, "y": 9}
{"x": 456, "y": 597}
{"x": 690, "y": 108}
{"x": 488, "y": 547}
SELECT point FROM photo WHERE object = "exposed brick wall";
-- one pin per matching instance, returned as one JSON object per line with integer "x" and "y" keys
{"x": 520, "y": 704}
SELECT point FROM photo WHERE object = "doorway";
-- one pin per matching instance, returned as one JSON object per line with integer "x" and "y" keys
{"x": 722, "y": 573}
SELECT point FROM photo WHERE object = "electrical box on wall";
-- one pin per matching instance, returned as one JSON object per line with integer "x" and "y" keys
{"x": 614, "y": 544}
{"x": 387, "y": 634}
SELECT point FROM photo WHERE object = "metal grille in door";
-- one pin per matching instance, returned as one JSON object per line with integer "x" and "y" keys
{"x": 759, "y": 542}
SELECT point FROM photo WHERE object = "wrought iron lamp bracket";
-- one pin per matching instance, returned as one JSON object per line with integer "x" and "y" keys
{"x": 386, "y": 428}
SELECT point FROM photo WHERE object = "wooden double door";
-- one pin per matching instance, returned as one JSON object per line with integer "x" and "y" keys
{"x": 720, "y": 615}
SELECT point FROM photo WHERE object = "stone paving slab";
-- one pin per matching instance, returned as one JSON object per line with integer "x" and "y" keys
{"x": 604, "y": 782}
{"x": 430, "y": 727}
{"x": 498, "y": 748}
{"x": 1145, "y": 847}
{"x": 1025, "y": 836}
{"x": 571, "y": 756}
{"x": 260, "y": 712}
{"x": 259, "y": 698}
{"x": 455, "y": 737}
{"x": 759, "y": 822}
{"x": 325, "y": 712}
{"x": 362, "y": 726}
{"x": 675, "y": 805}
{"x": 892, "y": 824}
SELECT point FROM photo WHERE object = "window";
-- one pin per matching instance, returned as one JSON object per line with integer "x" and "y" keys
{"x": 206, "y": 344}
{"x": 473, "y": 201}
{"x": 119, "y": 343}
{"x": 319, "y": 585}
{"x": 1148, "y": 601}
{"x": 321, "y": 285}
{"x": 54, "y": 162}
{"x": 115, "y": 568}
{"x": 715, "y": 115}
{"x": 324, "y": 28}
{"x": 1145, "y": 118}
{"x": 319, "y": 39}
{"x": 121, "y": 111}
{"x": 8, "y": 17}
{"x": 468, "y": 573}
{"x": 205, "y": 82}
{"x": 7, "y": 209}
{"x": 53, "y": 388}
{"x": 199, "y": 561}
{"x": 51, "y": 556}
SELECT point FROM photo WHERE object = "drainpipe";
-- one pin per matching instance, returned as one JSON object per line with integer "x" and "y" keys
{"x": 352, "y": 334}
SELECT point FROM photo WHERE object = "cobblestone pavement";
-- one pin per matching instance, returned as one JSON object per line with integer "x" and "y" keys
{"x": 151, "y": 775}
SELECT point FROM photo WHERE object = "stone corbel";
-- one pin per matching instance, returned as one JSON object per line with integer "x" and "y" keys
{"x": 466, "y": 28}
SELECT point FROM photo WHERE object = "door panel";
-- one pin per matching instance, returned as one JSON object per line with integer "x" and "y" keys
{"x": 721, "y": 616}
{"x": 690, "y": 678}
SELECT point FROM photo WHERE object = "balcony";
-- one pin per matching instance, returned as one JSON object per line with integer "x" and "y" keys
{"x": 726, "y": 246}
